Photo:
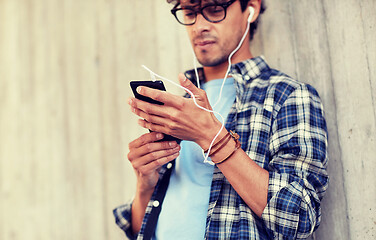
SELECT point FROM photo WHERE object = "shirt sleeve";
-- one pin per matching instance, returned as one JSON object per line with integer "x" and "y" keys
{"x": 122, "y": 216}
{"x": 297, "y": 167}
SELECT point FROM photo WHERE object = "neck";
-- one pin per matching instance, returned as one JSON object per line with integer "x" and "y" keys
{"x": 219, "y": 71}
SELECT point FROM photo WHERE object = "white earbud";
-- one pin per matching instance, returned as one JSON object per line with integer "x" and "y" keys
{"x": 251, "y": 13}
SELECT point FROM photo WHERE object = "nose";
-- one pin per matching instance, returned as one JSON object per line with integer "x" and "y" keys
{"x": 201, "y": 24}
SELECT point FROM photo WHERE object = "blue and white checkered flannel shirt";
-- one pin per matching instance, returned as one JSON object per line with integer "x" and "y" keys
{"x": 282, "y": 128}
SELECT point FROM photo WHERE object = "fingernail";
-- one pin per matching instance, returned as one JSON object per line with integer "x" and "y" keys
{"x": 130, "y": 102}
{"x": 159, "y": 135}
{"x": 138, "y": 89}
{"x": 172, "y": 144}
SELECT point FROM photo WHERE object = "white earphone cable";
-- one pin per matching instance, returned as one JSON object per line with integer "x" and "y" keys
{"x": 229, "y": 64}
{"x": 194, "y": 100}
{"x": 198, "y": 84}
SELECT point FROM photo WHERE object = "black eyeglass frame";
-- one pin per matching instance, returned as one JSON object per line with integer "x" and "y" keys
{"x": 224, "y": 5}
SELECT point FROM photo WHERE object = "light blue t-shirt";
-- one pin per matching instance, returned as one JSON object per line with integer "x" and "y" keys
{"x": 185, "y": 206}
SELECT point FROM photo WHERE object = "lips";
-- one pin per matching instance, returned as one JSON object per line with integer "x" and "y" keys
{"x": 204, "y": 42}
{"x": 204, "y": 45}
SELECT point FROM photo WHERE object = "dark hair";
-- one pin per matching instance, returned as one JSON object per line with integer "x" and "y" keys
{"x": 243, "y": 4}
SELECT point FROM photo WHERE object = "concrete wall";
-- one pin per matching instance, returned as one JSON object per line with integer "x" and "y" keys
{"x": 65, "y": 68}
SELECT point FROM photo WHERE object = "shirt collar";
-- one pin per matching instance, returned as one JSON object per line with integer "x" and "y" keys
{"x": 243, "y": 72}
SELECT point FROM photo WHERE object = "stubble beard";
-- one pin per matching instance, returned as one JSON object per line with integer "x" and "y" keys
{"x": 212, "y": 62}
{"x": 208, "y": 59}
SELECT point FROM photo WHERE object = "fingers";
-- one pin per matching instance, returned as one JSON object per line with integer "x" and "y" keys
{"x": 153, "y": 152}
{"x": 162, "y": 157}
{"x": 144, "y": 139}
{"x": 147, "y": 155}
{"x": 156, "y": 118}
{"x": 184, "y": 82}
{"x": 151, "y": 126}
{"x": 150, "y": 112}
{"x": 161, "y": 96}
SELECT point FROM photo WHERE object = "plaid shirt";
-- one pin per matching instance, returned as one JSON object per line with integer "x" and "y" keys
{"x": 282, "y": 128}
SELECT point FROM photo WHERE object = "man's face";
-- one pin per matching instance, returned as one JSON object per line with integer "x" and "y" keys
{"x": 213, "y": 42}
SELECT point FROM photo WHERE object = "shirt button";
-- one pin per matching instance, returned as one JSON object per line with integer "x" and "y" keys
{"x": 156, "y": 203}
{"x": 169, "y": 165}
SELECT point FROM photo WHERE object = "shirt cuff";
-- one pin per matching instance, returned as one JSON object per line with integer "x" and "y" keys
{"x": 288, "y": 214}
{"x": 123, "y": 216}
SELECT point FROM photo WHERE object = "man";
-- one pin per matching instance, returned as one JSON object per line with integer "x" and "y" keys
{"x": 271, "y": 186}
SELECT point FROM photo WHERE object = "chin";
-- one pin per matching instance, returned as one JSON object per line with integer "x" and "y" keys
{"x": 211, "y": 61}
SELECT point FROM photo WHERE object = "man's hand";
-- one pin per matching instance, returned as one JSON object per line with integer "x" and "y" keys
{"x": 147, "y": 156}
{"x": 179, "y": 116}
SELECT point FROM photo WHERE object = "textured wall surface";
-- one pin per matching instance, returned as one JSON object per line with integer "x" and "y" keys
{"x": 65, "y": 68}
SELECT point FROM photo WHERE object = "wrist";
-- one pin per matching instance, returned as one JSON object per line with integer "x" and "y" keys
{"x": 144, "y": 191}
{"x": 208, "y": 136}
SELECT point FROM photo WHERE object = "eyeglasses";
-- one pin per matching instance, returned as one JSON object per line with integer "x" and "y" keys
{"x": 212, "y": 12}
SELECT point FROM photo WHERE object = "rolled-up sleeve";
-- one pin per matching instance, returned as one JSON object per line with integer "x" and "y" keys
{"x": 122, "y": 216}
{"x": 297, "y": 167}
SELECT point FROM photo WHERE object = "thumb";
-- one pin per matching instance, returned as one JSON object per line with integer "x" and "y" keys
{"x": 184, "y": 82}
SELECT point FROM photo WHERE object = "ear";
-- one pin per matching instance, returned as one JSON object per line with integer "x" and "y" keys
{"x": 256, "y": 5}
{"x": 251, "y": 13}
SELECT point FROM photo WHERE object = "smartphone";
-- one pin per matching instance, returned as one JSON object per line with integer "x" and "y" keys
{"x": 156, "y": 85}
{"x": 151, "y": 84}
